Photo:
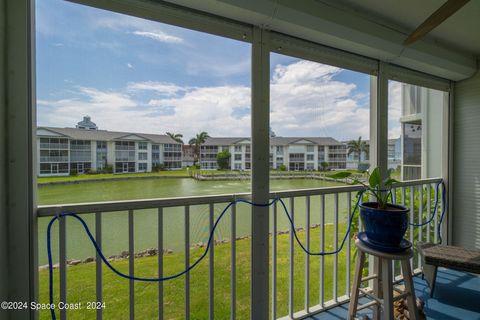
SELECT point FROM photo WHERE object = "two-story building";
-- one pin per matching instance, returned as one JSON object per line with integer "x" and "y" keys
{"x": 62, "y": 151}
{"x": 394, "y": 156}
{"x": 295, "y": 153}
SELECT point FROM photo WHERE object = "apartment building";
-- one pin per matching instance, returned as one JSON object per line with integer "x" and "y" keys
{"x": 421, "y": 124}
{"x": 61, "y": 151}
{"x": 394, "y": 156}
{"x": 295, "y": 153}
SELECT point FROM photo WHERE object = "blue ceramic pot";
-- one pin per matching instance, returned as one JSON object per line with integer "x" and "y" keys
{"x": 384, "y": 227}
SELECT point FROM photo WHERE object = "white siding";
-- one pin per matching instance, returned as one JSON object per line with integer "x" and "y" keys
{"x": 466, "y": 164}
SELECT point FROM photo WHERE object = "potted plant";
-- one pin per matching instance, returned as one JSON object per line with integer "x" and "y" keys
{"x": 385, "y": 223}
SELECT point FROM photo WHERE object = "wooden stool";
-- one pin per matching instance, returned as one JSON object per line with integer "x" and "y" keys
{"x": 383, "y": 279}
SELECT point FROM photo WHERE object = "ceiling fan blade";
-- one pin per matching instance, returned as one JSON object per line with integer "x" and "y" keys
{"x": 442, "y": 13}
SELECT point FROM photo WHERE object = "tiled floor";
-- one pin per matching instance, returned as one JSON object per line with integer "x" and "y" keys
{"x": 457, "y": 297}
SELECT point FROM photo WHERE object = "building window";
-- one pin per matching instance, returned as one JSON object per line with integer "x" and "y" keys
{"x": 310, "y": 148}
{"x": 173, "y": 147}
{"x": 142, "y": 156}
{"x": 101, "y": 144}
{"x": 124, "y": 145}
{"x": 412, "y": 144}
{"x": 125, "y": 151}
{"x": 80, "y": 151}
{"x": 296, "y": 166}
{"x": 142, "y": 167}
{"x": 310, "y": 157}
{"x": 238, "y": 157}
{"x": 124, "y": 167}
{"x": 53, "y": 143}
{"x": 296, "y": 157}
{"x": 142, "y": 146}
{"x": 238, "y": 148}
{"x": 238, "y": 166}
{"x": 279, "y": 149}
{"x": 310, "y": 166}
{"x": 54, "y": 168}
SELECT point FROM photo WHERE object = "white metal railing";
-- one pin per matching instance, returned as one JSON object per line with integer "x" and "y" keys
{"x": 54, "y": 158}
{"x": 406, "y": 193}
{"x": 46, "y": 145}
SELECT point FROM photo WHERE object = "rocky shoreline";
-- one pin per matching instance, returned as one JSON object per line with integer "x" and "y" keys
{"x": 154, "y": 251}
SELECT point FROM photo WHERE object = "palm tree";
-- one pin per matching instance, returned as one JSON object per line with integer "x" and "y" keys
{"x": 199, "y": 139}
{"x": 357, "y": 147}
{"x": 176, "y": 136}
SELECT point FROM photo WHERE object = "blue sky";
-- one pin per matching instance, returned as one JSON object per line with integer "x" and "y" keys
{"x": 131, "y": 74}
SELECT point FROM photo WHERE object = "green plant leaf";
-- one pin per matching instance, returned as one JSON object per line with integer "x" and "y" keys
{"x": 389, "y": 182}
{"x": 375, "y": 179}
{"x": 340, "y": 175}
{"x": 355, "y": 181}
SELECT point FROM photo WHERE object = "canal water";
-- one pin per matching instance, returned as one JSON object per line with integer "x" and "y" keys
{"x": 115, "y": 224}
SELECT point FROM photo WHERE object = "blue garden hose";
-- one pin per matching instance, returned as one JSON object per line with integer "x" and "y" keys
{"x": 210, "y": 239}
{"x": 435, "y": 211}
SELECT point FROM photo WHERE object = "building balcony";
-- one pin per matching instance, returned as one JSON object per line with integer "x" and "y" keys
{"x": 63, "y": 146}
{"x": 54, "y": 159}
{"x": 301, "y": 285}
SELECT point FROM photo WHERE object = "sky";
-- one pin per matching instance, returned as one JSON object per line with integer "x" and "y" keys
{"x": 136, "y": 75}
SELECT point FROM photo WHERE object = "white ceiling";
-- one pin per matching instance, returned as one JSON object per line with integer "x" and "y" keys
{"x": 460, "y": 31}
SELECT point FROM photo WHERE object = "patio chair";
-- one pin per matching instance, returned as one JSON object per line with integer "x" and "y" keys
{"x": 451, "y": 257}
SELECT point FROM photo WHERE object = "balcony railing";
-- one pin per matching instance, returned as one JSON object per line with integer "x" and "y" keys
{"x": 54, "y": 158}
{"x": 309, "y": 209}
{"x": 54, "y": 146}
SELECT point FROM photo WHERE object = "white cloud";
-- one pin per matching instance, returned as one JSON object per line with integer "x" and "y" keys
{"x": 211, "y": 66}
{"x": 394, "y": 109}
{"x": 129, "y": 66}
{"x": 208, "y": 109}
{"x": 163, "y": 88}
{"x": 158, "y": 36}
{"x": 305, "y": 101}
{"x": 110, "y": 109}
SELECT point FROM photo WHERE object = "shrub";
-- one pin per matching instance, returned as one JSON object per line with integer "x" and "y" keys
{"x": 158, "y": 167}
{"x": 282, "y": 167}
{"x": 324, "y": 165}
{"x": 223, "y": 160}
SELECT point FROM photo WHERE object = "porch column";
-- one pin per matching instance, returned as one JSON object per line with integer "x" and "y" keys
{"x": 3, "y": 163}
{"x": 378, "y": 144}
{"x": 260, "y": 173}
{"x": 379, "y": 121}
{"x": 21, "y": 237}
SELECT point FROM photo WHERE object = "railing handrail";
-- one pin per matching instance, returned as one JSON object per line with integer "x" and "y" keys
{"x": 123, "y": 205}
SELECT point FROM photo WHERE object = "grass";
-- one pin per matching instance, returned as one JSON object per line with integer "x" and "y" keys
{"x": 84, "y": 177}
{"x": 167, "y": 173}
{"x": 81, "y": 282}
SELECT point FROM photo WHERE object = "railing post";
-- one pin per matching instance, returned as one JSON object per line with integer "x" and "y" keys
{"x": 260, "y": 173}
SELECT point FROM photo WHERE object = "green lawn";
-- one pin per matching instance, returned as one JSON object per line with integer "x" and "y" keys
{"x": 83, "y": 177}
{"x": 81, "y": 282}
{"x": 167, "y": 173}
